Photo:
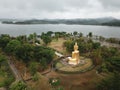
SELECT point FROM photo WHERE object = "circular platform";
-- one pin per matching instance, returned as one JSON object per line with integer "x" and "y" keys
{"x": 85, "y": 64}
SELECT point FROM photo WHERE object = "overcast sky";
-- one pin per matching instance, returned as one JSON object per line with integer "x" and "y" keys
{"x": 68, "y": 9}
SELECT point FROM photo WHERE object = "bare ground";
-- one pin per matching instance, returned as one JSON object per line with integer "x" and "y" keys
{"x": 83, "y": 81}
{"x": 57, "y": 45}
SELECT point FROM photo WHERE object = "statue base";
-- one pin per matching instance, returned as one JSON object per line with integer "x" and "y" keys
{"x": 73, "y": 61}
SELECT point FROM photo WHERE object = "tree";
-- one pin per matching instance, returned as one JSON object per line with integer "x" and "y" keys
{"x": 75, "y": 33}
{"x": 80, "y": 34}
{"x": 22, "y": 38}
{"x": 2, "y": 59}
{"x": 69, "y": 45}
{"x": 83, "y": 47}
{"x": 43, "y": 55}
{"x": 43, "y": 63}
{"x": 96, "y": 56}
{"x": 49, "y": 33}
{"x": 33, "y": 37}
{"x": 4, "y": 40}
{"x": 12, "y": 45}
{"x": 25, "y": 52}
{"x": 90, "y": 34}
{"x": 110, "y": 83}
{"x": 7, "y": 82}
{"x": 33, "y": 67}
{"x": 43, "y": 52}
{"x": 109, "y": 52}
{"x": 113, "y": 63}
{"x": 56, "y": 36}
{"x": 42, "y": 35}
{"x": 96, "y": 45}
{"x": 47, "y": 39}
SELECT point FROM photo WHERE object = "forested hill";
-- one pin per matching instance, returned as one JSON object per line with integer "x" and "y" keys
{"x": 109, "y": 21}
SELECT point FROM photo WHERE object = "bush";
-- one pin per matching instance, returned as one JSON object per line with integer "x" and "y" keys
{"x": 54, "y": 81}
{"x": 7, "y": 82}
{"x": 35, "y": 77}
{"x": 19, "y": 86}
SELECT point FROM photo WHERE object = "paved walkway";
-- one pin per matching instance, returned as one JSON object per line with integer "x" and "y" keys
{"x": 14, "y": 70}
{"x": 58, "y": 54}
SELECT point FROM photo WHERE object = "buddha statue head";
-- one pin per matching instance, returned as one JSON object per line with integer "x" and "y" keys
{"x": 75, "y": 47}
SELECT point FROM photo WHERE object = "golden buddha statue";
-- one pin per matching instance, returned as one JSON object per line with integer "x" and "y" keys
{"x": 75, "y": 56}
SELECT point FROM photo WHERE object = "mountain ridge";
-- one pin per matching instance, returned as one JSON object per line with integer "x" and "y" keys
{"x": 108, "y": 21}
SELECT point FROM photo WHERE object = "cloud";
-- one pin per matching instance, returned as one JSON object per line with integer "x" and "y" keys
{"x": 111, "y": 3}
{"x": 59, "y": 8}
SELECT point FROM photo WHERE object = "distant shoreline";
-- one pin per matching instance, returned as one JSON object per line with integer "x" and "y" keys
{"x": 60, "y": 24}
{"x": 99, "y": 21}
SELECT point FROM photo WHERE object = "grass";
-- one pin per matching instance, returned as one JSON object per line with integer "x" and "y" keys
{"x": 57, "y": 44}
{"x": 6, "y": 76}
{"x": 82, "y": 81}
{"x": 2, "y": 78}
{"x": 59, "y": 65}
{"x": 40, "y": 84}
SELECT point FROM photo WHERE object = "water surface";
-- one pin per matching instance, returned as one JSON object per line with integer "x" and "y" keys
{"x": 15, "y": 30}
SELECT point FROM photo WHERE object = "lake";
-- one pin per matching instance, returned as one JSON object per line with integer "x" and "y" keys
{"x": 15, "y": 30}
